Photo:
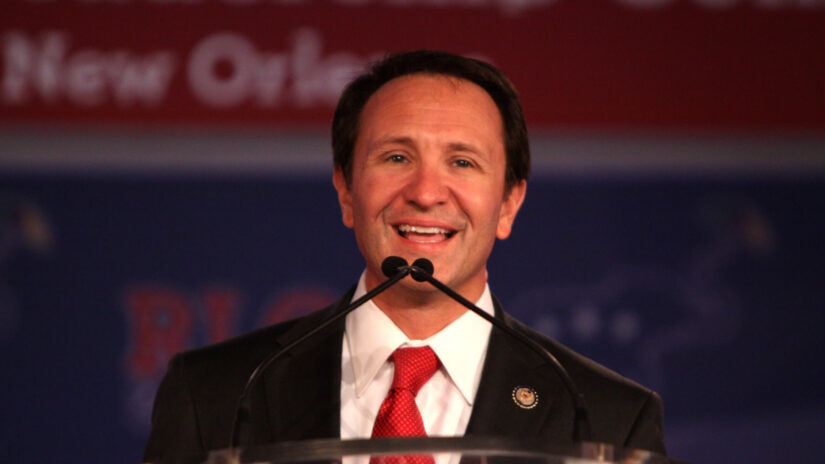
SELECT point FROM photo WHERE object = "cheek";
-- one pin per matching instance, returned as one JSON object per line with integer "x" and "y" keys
{"x": 480, "y": 200}
{"x": 482, "y": 210}
{"x": 371, "y": 197}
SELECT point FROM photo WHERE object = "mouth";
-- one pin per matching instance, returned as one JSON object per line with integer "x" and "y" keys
{"x": 424, "y": 234}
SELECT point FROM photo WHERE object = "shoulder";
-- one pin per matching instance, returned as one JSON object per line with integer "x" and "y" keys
{"x": 239, "y": 355}
{"x": 580, "y": 367}
{"x": 618, "y": 406}
{"x": 197, "y": 398}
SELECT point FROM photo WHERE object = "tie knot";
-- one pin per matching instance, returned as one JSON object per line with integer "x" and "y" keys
{"x": 413, "y": 368}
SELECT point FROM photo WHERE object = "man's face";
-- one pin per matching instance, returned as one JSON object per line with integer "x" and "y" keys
{"x": 427, "y": 181}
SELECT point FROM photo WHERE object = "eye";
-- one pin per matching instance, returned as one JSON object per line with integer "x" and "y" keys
{"x": 463, "y": 163}
{"x": 396, "y": 158}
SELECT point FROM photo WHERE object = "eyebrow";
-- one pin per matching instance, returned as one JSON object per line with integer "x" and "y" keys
{"x": 394, "y": 140}
{"x": 402, "y": 140}
{"x": 458, "y": 146}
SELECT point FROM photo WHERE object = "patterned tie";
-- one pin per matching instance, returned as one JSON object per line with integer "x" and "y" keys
{"x": 399, "y": 415}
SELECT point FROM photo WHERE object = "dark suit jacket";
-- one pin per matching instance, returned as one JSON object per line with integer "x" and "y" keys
{"x": 299, "y": 396}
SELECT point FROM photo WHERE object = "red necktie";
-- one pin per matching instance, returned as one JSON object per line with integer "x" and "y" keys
{"x": 399, "y": 415}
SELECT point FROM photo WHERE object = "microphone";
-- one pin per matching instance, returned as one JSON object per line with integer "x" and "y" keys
{"x": 422, "y": 270}
{"x": 394, "y": 267}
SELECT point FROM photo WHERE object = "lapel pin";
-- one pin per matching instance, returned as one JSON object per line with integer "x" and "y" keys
{"x": 525, "y": 397}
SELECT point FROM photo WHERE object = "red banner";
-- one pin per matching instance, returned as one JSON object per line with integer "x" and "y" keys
{"x": 706, "y": 64}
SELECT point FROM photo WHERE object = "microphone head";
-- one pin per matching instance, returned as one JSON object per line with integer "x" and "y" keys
{"x": 392, "y": 264}
{"x": 424, "y": 265}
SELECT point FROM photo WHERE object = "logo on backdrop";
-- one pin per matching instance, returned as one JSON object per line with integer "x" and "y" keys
{"x": 163, "y": 320}
{"x": 632, "y": 317}
{"x": 223, "y": 70}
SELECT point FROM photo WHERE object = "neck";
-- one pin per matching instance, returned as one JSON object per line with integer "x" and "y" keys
{"x": 421, "y": 314}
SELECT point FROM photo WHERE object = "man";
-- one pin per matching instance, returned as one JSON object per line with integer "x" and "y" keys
{"x": 431, "y": 160}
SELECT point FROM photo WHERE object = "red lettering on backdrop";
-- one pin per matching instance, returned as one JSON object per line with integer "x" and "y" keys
{"x": 221, "y": 306}
{"x": 161, "y": 322}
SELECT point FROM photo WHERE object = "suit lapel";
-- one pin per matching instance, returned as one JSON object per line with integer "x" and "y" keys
{"x": 303, "y": 391}
{"x": 497, "y": 410}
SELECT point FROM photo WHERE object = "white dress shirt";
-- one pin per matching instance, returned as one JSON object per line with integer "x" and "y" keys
{"x": 445, "y": 401}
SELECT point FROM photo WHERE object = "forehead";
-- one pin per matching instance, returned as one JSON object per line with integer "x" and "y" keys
{"x": 415, "y": 98}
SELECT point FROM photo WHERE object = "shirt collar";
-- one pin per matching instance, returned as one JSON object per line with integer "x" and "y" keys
{"x": 461, "y": 346}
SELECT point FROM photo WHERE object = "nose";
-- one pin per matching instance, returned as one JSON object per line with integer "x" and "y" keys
{"x": 427, "y": 187}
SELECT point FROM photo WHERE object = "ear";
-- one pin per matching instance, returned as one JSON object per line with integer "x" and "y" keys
{"x": 511, "y": 205}
{"x": 344, "y": 196}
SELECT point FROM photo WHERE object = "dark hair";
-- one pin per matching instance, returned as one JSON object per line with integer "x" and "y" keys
{"x": 345, "y": 123}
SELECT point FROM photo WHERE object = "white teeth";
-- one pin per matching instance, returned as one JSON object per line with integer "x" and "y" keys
{"x": 422, "y": 230}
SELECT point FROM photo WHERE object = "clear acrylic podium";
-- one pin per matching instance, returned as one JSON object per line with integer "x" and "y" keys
{"x": 466, "y": 450}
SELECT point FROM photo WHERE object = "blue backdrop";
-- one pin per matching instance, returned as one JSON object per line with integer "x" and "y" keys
{"x": 706, "y": 288}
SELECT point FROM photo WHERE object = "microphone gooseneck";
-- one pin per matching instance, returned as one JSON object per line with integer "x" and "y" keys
{"x": 394, "y": 264}
{"x": 396, "y": 268}
{"x": 422, "y": 270}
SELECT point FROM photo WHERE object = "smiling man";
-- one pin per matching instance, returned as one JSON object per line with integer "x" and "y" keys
{"x": 430, "y": 160}
{"x": 427, "y": 179}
